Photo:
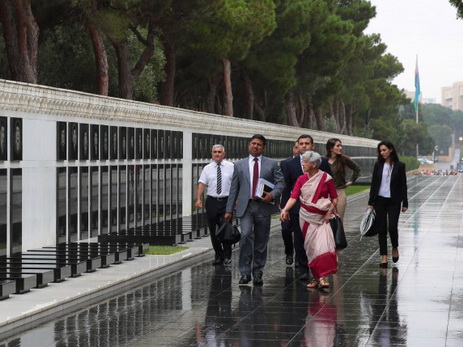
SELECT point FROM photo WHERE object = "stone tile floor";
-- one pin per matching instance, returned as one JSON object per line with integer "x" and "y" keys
{"x": 418, "y": 302}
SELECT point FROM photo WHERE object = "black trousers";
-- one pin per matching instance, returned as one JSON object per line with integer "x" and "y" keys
{"x": 215, "y": 210}
{"x": 387, "y": 221}
{"x": 301, "y": 256}
{"x": 287, "y": 235}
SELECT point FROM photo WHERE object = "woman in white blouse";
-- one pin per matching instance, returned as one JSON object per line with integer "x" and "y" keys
{"x": 388, "y": 196}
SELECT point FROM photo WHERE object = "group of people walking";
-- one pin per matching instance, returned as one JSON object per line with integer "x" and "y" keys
{"x": 307, "y": 189}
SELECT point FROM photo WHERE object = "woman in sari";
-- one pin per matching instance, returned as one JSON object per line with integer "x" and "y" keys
{"x": 317, "y": 194}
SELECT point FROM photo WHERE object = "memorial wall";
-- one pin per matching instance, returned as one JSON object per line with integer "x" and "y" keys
{"x": 74, "y": 166}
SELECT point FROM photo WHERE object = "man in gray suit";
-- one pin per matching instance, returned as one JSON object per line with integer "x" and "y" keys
{"x": 254, "y": 212}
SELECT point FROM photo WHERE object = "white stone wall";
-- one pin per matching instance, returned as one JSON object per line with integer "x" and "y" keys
{"x": 41, "y": 107}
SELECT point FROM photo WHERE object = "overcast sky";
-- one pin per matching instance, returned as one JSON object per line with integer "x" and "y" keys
{"x": 429, "y": 29}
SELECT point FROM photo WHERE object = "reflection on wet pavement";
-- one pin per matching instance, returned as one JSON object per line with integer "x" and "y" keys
{"x": 418, "y": 302}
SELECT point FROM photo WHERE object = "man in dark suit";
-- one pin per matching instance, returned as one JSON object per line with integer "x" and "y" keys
{"x": 254, "y": 212}
{"x": 286, "y": 228}
{"x": 292, "y": 169}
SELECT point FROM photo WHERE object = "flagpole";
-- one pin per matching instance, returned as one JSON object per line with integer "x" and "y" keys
{"x": 417, "y": 97}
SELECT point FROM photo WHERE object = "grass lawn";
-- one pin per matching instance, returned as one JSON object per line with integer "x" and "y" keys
{"x": 165, "y": 250}
{"x": 351, "y": 190}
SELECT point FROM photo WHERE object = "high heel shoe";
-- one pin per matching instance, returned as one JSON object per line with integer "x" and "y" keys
{"x": 395, "y": 259}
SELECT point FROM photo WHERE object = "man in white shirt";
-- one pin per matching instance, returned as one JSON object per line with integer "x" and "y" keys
{"x": 217, "y": 176}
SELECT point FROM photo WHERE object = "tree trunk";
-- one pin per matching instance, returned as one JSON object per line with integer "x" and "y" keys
{"x": 101, "y": 60}
{"x": 320, "y": 121}
{"x": 21, "y": 35}
{"x": 123, "y": 68}
{"x": 261, "y": 109}
{"x": 99, "y": 51}
{"x": 310, "y": 115}
{"x": 249, "y": 94}
{"x": 302, "y": 111}
{"x": 167, "y": 94}
{"x": 290, "y": 110}
{"x": 227, "y": 94}
{"x": 212, "y": 93}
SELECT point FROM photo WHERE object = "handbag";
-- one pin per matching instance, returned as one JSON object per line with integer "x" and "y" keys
{"x": 338, "y": 233}
{"x": 228, "y": 232}
{"x": 367, "y": 225}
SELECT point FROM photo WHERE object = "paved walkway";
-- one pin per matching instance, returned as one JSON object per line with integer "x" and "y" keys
{"x": 188, "y": 302}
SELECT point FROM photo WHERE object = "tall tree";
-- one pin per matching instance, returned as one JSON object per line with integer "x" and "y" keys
{"x": 120, "y": 19}
{"x": 458, "y": 4}
{"x": 227, "y": 29}
{"x": 21, "y": 35}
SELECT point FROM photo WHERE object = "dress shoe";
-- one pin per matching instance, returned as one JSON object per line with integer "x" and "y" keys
{"x": 217, "y": 262}
{"x": 227, "y": 262}
{"x": 258, "y": 281}
{"x": 289, "y": 260}
{"x": 245, "y": 279}
{"x": 383, "y": 265}
{"x": 396, "y": 258}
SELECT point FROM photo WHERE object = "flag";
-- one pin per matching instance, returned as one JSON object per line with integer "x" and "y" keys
{"x": 417, "y": 87}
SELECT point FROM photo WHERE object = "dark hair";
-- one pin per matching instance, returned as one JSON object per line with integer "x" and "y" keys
{"x": 305, "y": 136}
{"x": 260, "y": 137}
{"x": 394, "y": 157}
{"x": 340, "y": 160}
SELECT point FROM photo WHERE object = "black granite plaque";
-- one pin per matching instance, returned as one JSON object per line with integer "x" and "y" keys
{"x": 146, "y": 195}
{"x": 122, "y": 143}
{"x": 61, "y": 209}
{"x": 73, "y": 141}
{"x": 3, "y": 211}
{"x": 113, "y": 194}
{"x": 104, "y": 207}
{"x": 154, "y": 144}
{"x": 73, "y": 192}
{"x": 94, "y": 142}
{"x": 16, "y": 144}
{"x": 114, "y": 143}
{"x": 104, "y": 142}
{"x": 147, "y": 144}
{"x": 16, "y": 211}
{"x": 94, "y": 208}
{"x": 3, "y": 139}
{"x": 61, "y": 140}
{"x": 84, "y": 202}
{"x": 122, "y": 198}
{"x": 131, "y": 143}
{"x": 139, "y": 144}
{"x": 84, "y": 141}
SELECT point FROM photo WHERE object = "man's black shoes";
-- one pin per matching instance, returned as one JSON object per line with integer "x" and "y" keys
{"x": 245, "y": 279}
{"x": 217, "y": 262}
{"x": 258, "y": 281}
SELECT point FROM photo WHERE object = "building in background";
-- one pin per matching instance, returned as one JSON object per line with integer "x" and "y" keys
{"x": 452, "y": 97}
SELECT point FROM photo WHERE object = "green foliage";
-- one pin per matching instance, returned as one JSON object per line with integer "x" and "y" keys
{"x": 458, "y": 4}
{"x": 416, "y": 133}
{"x": 411, "y": 163}
{"x": 165, "y": 250}
{"x": 442, "y": 135}
{"x": 352, "y": 190}
{"x": 314, "y": 51}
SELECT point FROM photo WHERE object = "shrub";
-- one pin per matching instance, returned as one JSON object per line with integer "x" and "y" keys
{"x": 411, "y": 163}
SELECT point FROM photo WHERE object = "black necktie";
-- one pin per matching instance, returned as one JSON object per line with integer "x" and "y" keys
{"x": 219, "y": 180}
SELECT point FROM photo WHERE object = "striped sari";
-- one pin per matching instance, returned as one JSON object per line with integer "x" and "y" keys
{"x": 318, "y": 237}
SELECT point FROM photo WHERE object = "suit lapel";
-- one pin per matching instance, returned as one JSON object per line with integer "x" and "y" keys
{"x": 299, "y": 165}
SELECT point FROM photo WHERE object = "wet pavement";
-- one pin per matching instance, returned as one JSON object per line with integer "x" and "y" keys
{"x": 416, "y": 302}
